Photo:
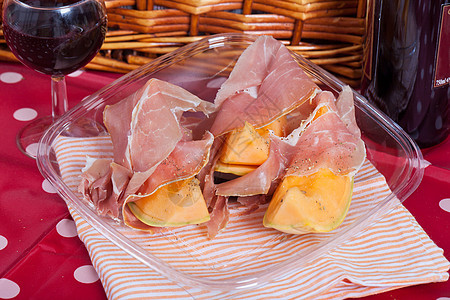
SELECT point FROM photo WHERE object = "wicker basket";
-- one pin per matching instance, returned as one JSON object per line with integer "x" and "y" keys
{"x": 329, "y": 33}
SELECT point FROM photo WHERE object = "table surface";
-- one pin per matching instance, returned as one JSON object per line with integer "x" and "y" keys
{"x": 41, "y": 256}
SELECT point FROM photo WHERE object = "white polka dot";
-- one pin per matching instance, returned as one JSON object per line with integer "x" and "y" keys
{"x": 66, "y": 228}
{"x": 10, "y": 77}
{"x": 3, "y": 242}
{"x": 8, "y": 289}
{"x": 216, "y": 82}
{"x": 75, "y": 74}
{"x": 48, "y": 187}
{"x": 86, "y": 274}
{"x": 445, "y": 204}
{"x": 32, "y": 149}
{"x": 25, "y": 114}
{"x": 443, "y": 298}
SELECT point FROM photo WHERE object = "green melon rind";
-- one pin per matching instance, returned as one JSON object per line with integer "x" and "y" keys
{"x": 146, "y": 219}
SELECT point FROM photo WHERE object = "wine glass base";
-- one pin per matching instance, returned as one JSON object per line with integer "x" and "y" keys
{"x": 28, "y": 137}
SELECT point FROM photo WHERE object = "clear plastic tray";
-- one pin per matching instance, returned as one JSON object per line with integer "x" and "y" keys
{"x": 200, "y": 68}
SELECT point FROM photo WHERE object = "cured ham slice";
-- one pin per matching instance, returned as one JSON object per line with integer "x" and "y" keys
{"x": 95, "y": 180}
{"x": 117, "y": 120}
{"x": 103, "y": 183}
{"x": 252, "y": 203}
{"x": 120, "y": 176}
{"x": 219, "y": 217}
{"x": 316, "y": 191}
{"x": 257, "y": 93}
{"x": 217, "y": 205}
{"x": 153, "y": 146}
{"x": 329, "y": 139}
{"x": 346, "y": 110}
{"x": 185, "y": 161}
{"x": 266, "y": 83}
{"x": 159, "y": 149}
{"x": 159, "y": 112}
{"x": 157, "y": 108}
{"x": 168, "y": 141}
{"x": 206, "y": 175}
{"x": 145, "y": 127}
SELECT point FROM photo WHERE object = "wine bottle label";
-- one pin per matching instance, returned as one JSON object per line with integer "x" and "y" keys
{"x": 442, "y": 62}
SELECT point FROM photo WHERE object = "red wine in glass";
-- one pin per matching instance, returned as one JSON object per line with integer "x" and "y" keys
{"x": 53, "y": 37}
{"x": 56, "y": 46}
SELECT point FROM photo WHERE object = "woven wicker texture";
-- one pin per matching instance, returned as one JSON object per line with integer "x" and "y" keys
{"x": 329, "y": 33}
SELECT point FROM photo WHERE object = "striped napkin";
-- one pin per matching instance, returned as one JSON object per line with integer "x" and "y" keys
{"x": 392, "y": 253}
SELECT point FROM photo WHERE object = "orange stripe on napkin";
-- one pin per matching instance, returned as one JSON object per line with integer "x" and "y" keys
{"x": 392, "y": 253}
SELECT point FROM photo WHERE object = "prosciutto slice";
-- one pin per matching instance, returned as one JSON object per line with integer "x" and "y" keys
{"x": 157, "y": 108}
{"x": 96, "y": 180}
{"x": 163, "y": 133}
{"x": 185, "y": 161}
{"x": 331, "y": 140}
{"x": 145, "y": 128}
{"x": 266, "y": 83}
{"x": 220, "y": 216}
{"x": 103, "y": 183}
{"x": 153, "y": 145}
{"x": 117, "y": 120}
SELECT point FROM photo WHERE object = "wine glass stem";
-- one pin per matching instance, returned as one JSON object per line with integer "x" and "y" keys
{"x": 59, "y": 96}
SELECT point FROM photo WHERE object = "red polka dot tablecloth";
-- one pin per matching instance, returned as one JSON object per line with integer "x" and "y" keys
{"x": 41, "y": 256}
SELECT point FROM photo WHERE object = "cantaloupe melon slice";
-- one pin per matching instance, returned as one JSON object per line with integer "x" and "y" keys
{"x": 245, "y": 146}
{"x": 315, "y": 203}
{"x": 250, "y": 146}
{"x": 321, "y": 111}
{"x": 278, "y": 127}
{"x": 176, "y": 204}
{"x": 235, "y": 169}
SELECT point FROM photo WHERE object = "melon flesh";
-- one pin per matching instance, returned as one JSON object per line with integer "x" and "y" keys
{"x": 278, "y": 127}
{"x": 315, "y": 203}
{"x": 239, "y": 170}
{"x": 176, "y": 204}
{"x": 247, "y": 148}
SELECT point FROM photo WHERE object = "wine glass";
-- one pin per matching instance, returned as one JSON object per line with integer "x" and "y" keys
{"x": 53, "y": 37}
